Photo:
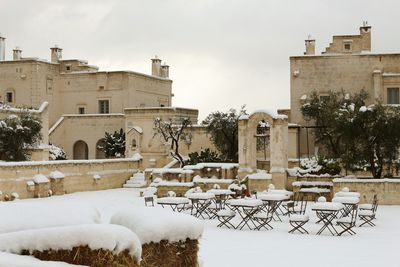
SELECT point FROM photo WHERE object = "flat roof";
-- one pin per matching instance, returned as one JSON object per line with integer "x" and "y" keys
{"x": 363, "y": 54}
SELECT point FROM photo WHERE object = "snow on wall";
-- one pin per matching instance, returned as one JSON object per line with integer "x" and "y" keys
{"x": 110, "y": 237}
{"x": 22, "y": 215}
{"x": 146, "y": 223}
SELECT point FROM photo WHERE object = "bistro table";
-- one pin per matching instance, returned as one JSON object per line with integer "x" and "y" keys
{"x": 326, "y": 212}
{"x": 273, "y": 200}
{"x": 176, "y": 203}
{"x": 348, "y": 203}
{"x": 246, "y": 208}
{"x": 200, "y": 203}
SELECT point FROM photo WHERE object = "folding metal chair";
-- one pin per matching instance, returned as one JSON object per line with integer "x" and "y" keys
{"x": 263, "y": 219}
{"x": 367, "y": 215}
{"x": 225, "y": 216}
{"x": 148, "y": 200}
{"x": 348, "y": 222}
{"x": 368, "y": 206}
{"x": 297, "y": 221}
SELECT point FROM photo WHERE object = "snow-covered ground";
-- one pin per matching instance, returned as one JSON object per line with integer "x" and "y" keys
{"x": 223, "y": 247}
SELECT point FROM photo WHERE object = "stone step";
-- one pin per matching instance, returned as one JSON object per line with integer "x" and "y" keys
{"x": 134, "y": 185}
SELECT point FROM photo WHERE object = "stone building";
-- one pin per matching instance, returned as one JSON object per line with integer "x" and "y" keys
{"x": 348, "y": 64}
{"x": 84, "y": 102}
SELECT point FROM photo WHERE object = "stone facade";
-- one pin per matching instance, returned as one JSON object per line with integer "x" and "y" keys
{"x": 337, "y": 69}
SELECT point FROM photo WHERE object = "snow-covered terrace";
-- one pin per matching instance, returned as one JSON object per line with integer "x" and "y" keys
{"x": 370, "y": 247}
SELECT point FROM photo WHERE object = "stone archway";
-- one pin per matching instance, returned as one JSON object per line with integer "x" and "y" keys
{"x": 278, "y": 143}
{"x": 81, "y": 150}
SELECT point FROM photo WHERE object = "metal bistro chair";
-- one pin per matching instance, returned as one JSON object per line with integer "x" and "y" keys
{"x": 298, "y": 206}
{"x": 348, "y": 222}
{"x": 297, "y": 221}
{"x": 224, "y": 217}
{"x": 368, "y": 215}
{"x": 263, "y": 219}
{"x": 149, "y": 200}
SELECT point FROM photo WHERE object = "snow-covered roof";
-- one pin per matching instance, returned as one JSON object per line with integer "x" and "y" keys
{"x": 273, "y": 114}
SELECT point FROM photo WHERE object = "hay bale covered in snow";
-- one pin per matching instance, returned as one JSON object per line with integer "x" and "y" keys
{"x": 170, "y": 241}
{"x": 24, "y": 215}
{"x": 95, "y": 245}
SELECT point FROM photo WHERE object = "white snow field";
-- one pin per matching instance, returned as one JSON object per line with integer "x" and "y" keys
{"x": 370, "y": 247}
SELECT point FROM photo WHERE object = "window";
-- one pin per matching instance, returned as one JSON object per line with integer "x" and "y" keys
{"x": 134, "y": 145}
{"x": 68, "y": 67}
{"x": 9, "y": 97}
{"x": 81, "y": 110}
{"x": 101, "y": 87}
{"x": 104, "y": 106}
{"x": 393, "y": 96}
{"x": 347, "y": 47}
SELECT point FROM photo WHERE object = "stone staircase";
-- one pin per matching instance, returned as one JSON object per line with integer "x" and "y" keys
{"x": 136, "y": 181}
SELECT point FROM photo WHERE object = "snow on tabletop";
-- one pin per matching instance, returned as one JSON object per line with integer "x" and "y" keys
{"x": 298, "y": 218}
{"x": 57, "y": 175}
{"x": 196, "y": 189}
{"x": 154, "y": 225}
{"x": 276, "y": 197}
{"x": 346, "y": 200}
{"x": 173, "y": 200}
{"x": 201, "y": 195}
{"x": 248, "y": 202}
{"x": 15, "y": 260}
{"x": 280, "y": 191}
{"x": 327, "y": 206}
{"x": 347, "y": 194}
{"x": 198, "y": 179}
{"x": 219, "y": 192}
{"x": 22, "y": 215}
{"x": 110, "y": 237}
{"x": 40, "y": 179}
{"x": 261, "y": 175}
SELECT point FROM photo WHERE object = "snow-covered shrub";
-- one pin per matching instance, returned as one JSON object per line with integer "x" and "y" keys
{"x": 17, "y": 134}
{"x": 317, "y": 166}
{"x": 56, "y": 153}
{"x": 114, "y": 144}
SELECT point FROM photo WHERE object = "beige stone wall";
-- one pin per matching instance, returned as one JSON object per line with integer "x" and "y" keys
{"x": 351, "y": 73}
{"x": 79, "y": 175}
{"x": 88, "y": 128}
{"x": 388, "y": 190}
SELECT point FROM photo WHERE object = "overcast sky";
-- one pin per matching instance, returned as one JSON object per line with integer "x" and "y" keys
{"x": 222, "y": 53}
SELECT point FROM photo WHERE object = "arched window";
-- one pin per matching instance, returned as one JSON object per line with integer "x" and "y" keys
{"x": 134, "y": 144}
{"x": 81, "y": 150}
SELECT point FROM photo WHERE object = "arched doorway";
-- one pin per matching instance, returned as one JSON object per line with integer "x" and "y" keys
{"x": 99, "y": 149}
{"x": 81, "y": 150}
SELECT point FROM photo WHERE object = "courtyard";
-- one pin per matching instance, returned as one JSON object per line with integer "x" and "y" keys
{"x": 371, "y": 246}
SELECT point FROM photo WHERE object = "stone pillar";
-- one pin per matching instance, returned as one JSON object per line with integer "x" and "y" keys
{"x": 279, "y": 147}
{"x": 247, "y": 145}
{"x": 378, "y": 88}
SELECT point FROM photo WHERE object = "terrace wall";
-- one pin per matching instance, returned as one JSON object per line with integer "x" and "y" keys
{"x": 80, "y": 175}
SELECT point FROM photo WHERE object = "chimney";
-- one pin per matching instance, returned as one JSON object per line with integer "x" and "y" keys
{"x": 365, "y": 32}
{"x": 165, "y": 71}
{"x": 310, "y": 46}
{"x": 17, "y": 52}
{"x": 156, "y": 67}
{"x": 56, "y": 54}
{"x": 2, "y": 48}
